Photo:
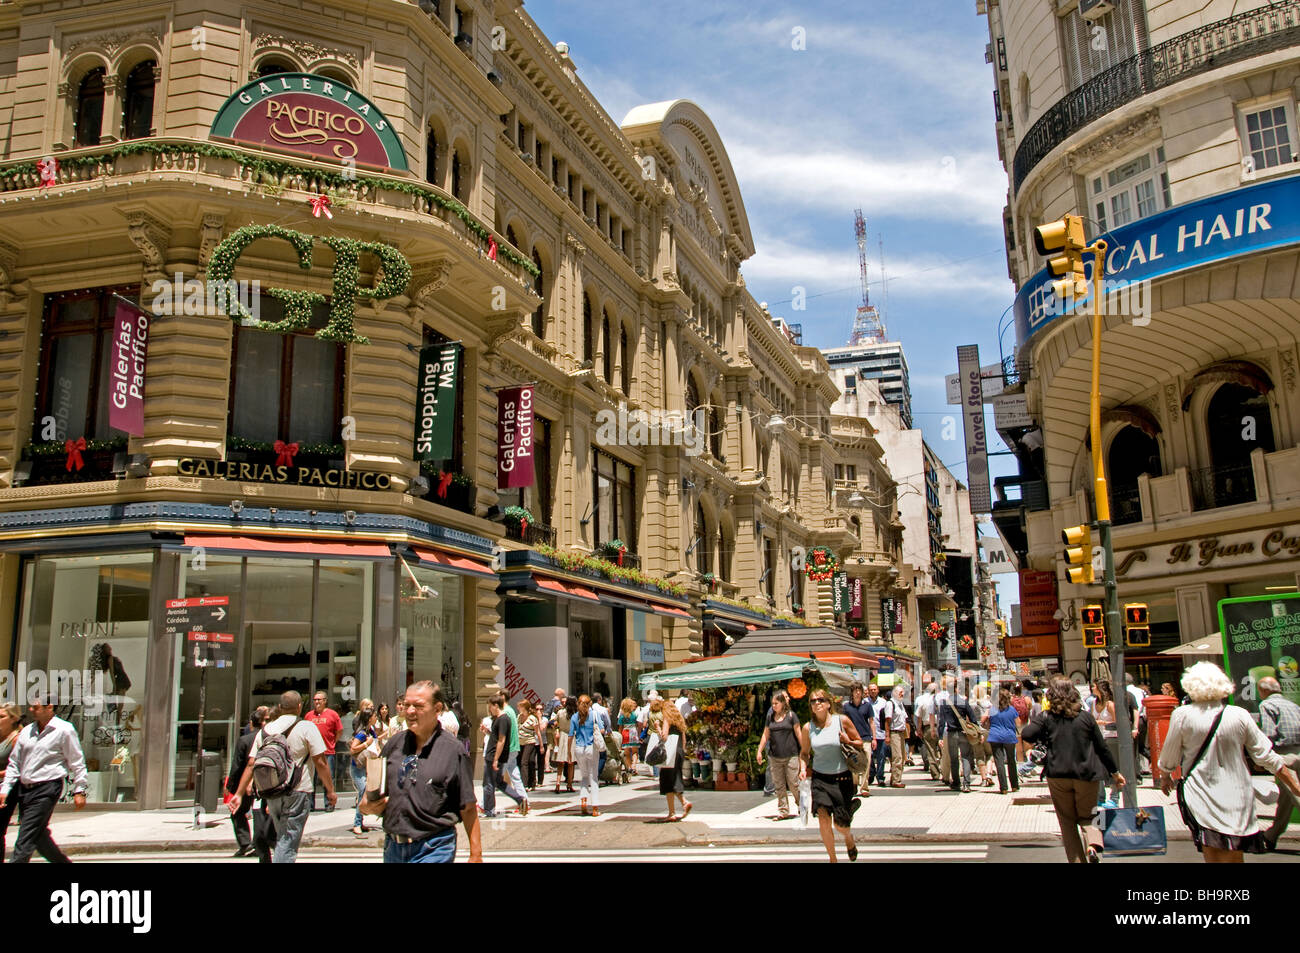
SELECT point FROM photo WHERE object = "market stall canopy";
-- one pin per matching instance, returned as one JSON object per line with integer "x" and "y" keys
{"x": 1211, "y": 645}
{"x": 751, "y": 668}
{"x": 827, "y": 644}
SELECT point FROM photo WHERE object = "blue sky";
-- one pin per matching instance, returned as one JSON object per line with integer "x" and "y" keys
{"x": 889, "y": 107}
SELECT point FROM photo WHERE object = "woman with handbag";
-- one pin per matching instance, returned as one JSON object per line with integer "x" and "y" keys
{"x": 363, "y": 747}
{"x": 1103, "y": 711}
{"x": 628, "y": 732}
{"x": 1077, "y": 763}
{"x": 1206, "y": 739}
{"x": 673, "y": 726}
{"x": 825, "y": 744}
{"x": 529, "y": 736}
{"x": 588, "y": 743}
{"x": 562, "y": 744}
{"x": 782, "y": 739}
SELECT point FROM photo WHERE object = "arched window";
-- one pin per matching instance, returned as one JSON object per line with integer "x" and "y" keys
{"x": 855, "y": 524}
{"x": 1131, "y": 454}
{"x": 607, "y": 340}
{"x": 334, "y": 76}
{"x": 1237, "y": 421}
{"x": 692, "y": 394}
{"x": 715, "y": 428}
{"x": 539, "y": 286}
{"x": 588, "y": 332}
{"x": 273, "y": 67}
{"x": 510, "y": 236}
{"x": 625, "y": 355}
{"x": 137, "y": 112}
{"x": 726, "y": 546}
{"x": 460, "y": 175}
{"x": 90, "y": 109}
{"x": 431, "y": 159}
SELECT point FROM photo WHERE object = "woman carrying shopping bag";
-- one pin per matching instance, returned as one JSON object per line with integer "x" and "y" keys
{"x": 670, "y": 770}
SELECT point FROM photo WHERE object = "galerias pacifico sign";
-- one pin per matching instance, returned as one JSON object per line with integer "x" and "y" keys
{"x": 298, "y": 112}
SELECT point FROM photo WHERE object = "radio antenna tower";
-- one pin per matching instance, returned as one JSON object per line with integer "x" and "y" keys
{"x": 868, "y": 328}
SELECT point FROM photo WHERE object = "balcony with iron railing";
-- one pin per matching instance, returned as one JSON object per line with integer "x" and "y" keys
{"x": 1197, "y": 51}
{"x": 534, "y": 535}
{"x": 1213, "y": 487}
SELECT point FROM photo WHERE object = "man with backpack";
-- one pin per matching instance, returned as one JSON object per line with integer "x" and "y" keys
{"x": 278, "y": 764}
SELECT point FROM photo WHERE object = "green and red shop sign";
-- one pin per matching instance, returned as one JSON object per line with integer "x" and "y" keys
{"x": 310, "y": 115}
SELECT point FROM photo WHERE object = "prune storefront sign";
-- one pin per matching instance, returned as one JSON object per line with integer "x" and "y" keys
{"x": 310, "y": 115}
{"x": 292, "y": 474}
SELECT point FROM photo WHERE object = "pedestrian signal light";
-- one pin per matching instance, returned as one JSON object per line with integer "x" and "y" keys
{"x": 1078, "y": 554}
{"x": 1137, "y": 625}
{"x": 1092, "y": 617}
{"x": 1062, "y": 243}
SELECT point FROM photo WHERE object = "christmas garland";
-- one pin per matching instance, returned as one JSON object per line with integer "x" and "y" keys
{"x": 268, "y": 446}
{"x": 519, "y": 514}
{"x": 571, "y": 560}
{"x": 58, "y": 448}
{"x": 273, "y": 168}
{"x": 821, "y": 563}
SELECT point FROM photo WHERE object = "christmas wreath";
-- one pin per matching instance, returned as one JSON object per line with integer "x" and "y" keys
{"x": 710, "y": 580}
{"x": 519, "y": 514}
{"x": 966, "y": 643}
{"x": 936, "y": 631}
{"x": 821, "y": 564}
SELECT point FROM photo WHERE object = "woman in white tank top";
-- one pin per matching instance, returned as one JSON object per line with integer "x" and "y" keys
{"x": 832, "y": 783}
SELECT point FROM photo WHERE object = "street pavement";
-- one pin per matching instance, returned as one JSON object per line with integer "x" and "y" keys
{"x": 923, "y": 815}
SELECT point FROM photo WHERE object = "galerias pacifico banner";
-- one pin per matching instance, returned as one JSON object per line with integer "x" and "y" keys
{"x": 855, "y": 600}
{"x": 126, "y": 366}
{"x": 515, "y": 437}
{"x": 435, "y": 422}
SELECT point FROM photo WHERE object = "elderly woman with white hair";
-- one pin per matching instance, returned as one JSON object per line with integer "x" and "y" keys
{"x": 1206, "y": 739}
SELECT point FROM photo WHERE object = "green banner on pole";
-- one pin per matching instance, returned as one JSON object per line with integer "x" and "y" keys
{"x": 439, "y": 383}
{"x": 840, "y": 592}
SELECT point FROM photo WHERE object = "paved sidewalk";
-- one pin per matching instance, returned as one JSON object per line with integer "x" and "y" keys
{"x": 631, "y": 816}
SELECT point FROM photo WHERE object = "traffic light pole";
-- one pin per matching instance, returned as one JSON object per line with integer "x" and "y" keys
{"x": 1114, "y": 626}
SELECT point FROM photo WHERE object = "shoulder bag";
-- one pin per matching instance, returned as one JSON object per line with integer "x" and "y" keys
{"x": 1188, "y": 819}
{"x": 857, "y": 758}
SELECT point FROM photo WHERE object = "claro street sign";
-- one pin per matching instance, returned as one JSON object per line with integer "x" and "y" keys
{"x": 310, "y": 115}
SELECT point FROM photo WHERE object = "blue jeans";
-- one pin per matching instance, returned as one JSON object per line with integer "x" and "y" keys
{"x": 878, "y": 759}
{"x": 289, "y": 814}
{"x": 434, "y": 849}
{"x": 315, "y": 780}
{"x": 359, "y": 782}
{"x": 506, "y": 779}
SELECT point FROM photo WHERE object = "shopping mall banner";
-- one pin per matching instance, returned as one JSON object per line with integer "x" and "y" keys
{"x": 1250, "y": 219}
{"x": 126, "y": 368}
{"x": 1261, "y": 639}
{"x": 977, "y": 450}
{"x": 313, "y": 116}
{"x": 515, "y": 437}
{"x": 840, "y": 592}
{"x": 439, "y": 382}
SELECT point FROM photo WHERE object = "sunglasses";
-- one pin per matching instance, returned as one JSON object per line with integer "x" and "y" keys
{"x": 819, "y": 701}
{"x": 408, "y": 767}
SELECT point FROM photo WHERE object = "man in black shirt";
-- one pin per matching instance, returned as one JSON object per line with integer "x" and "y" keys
{"x": 240, "y": 818}
{"x": 427, "y": 787}
{"x": 947, "y": 706}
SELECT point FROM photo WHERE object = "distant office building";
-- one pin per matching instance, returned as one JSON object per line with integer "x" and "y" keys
{"x": 884, "y": 363}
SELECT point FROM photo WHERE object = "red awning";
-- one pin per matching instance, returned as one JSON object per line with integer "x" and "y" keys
{"x": 581, "y": 593}
{"x": 750, "y": 627}
{"x": 454, "y": 561}
{"x": 300, "y": 547}
{"x": 851, "y": 659}
{"x": 669, "y": 611}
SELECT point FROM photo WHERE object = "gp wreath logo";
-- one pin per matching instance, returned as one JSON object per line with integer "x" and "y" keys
{"x": 394, "y": 275}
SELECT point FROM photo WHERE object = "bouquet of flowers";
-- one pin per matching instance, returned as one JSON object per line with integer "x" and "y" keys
{"x": 936, "y": 630}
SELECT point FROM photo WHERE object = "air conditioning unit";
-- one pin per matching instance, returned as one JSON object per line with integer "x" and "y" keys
{"x": 1094, "y": 10}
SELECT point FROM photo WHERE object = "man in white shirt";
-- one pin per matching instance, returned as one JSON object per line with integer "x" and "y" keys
{"x": 925, "y": 727}
{"x": 44, "y": 754}
{"x": 307, "y": 750}
{"x": 685, "y": 705}
{"x": 897, "y": 738}
{"x": 882, "y": 712}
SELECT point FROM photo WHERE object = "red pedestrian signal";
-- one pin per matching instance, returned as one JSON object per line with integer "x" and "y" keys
{"x": 1137, "y": 625}
{"x": 1092, "y": 616}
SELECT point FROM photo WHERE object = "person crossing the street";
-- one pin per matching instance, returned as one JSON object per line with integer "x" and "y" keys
{"x": 1279, "y": 719}
{"x": 859, "y": 711}
{"x": 924, "y": 715}
{"x": 44, "y": 756}
{"x": 897, "y": 726}
{"x": 832, "y": 782}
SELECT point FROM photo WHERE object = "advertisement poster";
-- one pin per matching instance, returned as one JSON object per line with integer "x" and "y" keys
{"x": 1261, "y": 639}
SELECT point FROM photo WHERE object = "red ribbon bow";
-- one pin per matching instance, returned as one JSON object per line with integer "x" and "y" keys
{"x": 319, "y": 204}
{"x": 492, "y": 248}
{"x": 73, "y": 449}
{"x": 444, "y": 481}
{"x": 286, "y": 452}
{"x": 523, "y": 526}
{"x": 621, "y": 551}
{"x": 49, "y": 170}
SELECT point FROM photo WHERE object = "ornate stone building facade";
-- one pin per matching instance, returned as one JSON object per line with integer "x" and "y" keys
{"x": 596, "y": 262}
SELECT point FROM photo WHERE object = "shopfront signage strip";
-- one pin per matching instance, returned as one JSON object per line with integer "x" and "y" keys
{"x": 289, "y": 476}
{"x": 1209, "y": 552}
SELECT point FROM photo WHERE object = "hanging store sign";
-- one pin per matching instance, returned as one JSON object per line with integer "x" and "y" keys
{"x": 310, "y": 115}
{"x": 977, "y": 451}
{"x": 1261, "y": 639}
{"x": 855, "y": 600}
{"x": 1011, "y": 410}
{"x": 289, "y": 475}
{"x": 515, "y": 437}
{"x": 1227, "y": 550}
{"x": 1038, "y": 603}
{"x": 210, "y": 649}
{"x": 126, "y": 367}
{"x": 435, "y": 423}
{"x": 840, "y": 592}
{"x": 652, "y": 653}
{"x": 1246, "y": 220}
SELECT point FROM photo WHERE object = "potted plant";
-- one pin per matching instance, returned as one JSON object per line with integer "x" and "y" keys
{"x": 517, "y": 521}
{"x": 613, "y": 550}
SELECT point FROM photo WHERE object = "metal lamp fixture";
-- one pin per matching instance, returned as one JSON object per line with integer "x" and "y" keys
{"x": 350, "y": 517}
{"x": 856, "y": 500}
{"x": 776, "y": 425}
{"x": 236, "y": 507}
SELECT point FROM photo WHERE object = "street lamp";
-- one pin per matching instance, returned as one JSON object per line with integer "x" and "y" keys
{"x": 856, "y": 500}
{"x": 776, "y": 425}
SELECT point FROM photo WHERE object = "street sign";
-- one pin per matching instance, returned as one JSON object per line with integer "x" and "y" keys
{"x": 209, "y": 649}
{"x": 994, "y": 384}
{"x": 1011, "y": 410}
{"x": 199, "y": 614}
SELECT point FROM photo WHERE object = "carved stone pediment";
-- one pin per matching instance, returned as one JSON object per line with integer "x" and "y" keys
{"x": 427, "y": 279}
{"x": 113, "y": 43}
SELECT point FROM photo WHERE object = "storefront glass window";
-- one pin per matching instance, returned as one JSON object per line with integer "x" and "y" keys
{"x": 85, "y": 622}
{"x": 430, "y": 640}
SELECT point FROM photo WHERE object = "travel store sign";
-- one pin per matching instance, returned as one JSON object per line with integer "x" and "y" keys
{"x": 310, "y": 115}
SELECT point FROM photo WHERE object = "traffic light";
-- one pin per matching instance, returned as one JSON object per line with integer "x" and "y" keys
{"x": 1078, "y": 554}
{"x": 1062, "y": 243}
{"x": 1137, "y": 625}
{"x": 1092, "y": 622}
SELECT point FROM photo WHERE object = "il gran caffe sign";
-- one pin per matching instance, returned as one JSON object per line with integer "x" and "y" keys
{"x": 1227, "y": 551}
{"x": 292, "y": 474}
{"x": 322, "y": 118}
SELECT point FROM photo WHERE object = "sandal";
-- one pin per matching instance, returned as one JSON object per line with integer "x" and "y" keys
{"x": 689, "y": 805}
{"x": 359, "y": 831}
{"x": 853, "y": 853}
{"x": 595, "y": 812}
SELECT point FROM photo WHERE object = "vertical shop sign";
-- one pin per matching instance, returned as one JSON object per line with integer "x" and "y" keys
{"x": 977, "y": 455}
{"x": 126, "y": 367}
{"x": 515, "y": 437}
{"x": 840, "y": 592}
{"x": 439, "y": 382}
{"x": 855, "y": 602}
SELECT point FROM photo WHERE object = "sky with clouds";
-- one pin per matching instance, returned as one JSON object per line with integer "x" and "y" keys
{"x": 887, "y": 108}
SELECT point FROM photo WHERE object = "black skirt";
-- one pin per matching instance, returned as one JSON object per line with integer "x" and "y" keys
{"x": 834, "y": 793}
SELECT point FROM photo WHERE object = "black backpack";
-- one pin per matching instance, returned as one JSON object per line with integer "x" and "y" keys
{"x": 274, "y": 770}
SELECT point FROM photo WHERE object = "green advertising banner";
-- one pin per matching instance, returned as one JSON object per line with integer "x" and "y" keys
{"x": 840, "y": 592}
{"x": 1261, "y": 638}
{"x": 439, "y": 382}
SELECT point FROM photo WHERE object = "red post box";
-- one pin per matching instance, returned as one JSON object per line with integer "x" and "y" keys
{"x": 1160, "y": 708}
